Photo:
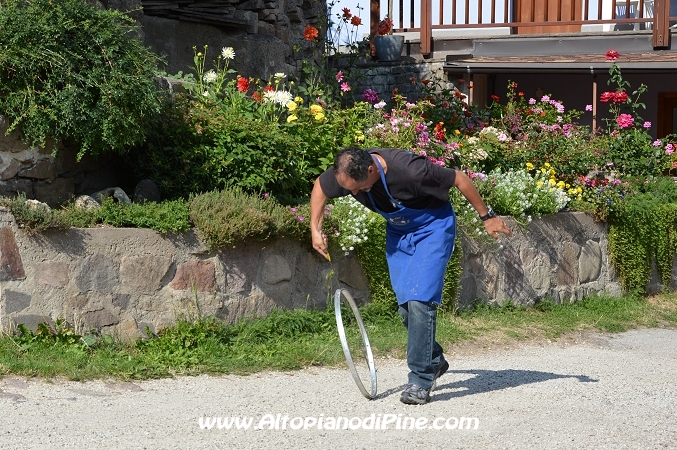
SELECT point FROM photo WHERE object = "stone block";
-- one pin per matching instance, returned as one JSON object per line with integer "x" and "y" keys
{"x": 275, "y": 269}
{"x": 41, "y": 170}
{"x": 11, "y": 265}
{"x": 16, "y": 301}
{"x": 52, "y": 273}
{"x": 143, "y": 273}
{"x": 99, "y": 318}
{"x": 16, "y": 186}
{"x": 567, "y": 270}
{"x": 590, "y": 262}
{"x": 54, "y": 193}
{"x": 9, "y": 167}
{"x": 198, "y": 275}
{"x": 96, "y": 273}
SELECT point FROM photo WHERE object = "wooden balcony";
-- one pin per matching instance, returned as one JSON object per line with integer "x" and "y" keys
{"x": 430, "y": 20}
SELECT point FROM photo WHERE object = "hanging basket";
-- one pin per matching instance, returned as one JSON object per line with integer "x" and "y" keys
{"x": 388, "y": 47}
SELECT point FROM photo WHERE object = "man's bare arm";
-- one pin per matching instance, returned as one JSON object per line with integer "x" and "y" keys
{"x": 318, "y": 201}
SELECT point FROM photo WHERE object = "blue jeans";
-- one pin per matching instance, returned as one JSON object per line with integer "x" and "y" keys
{"x": 424, "y": 354}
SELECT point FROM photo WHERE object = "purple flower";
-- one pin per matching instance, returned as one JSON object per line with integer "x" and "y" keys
{"x": 657, "y": 143}
{"x": 292, "y": 209}
{"x": 265, "y": 195}
{"x": 301, "y": 219}
{"x": 532, "y": 101}
{"x": 370, "y": 96}
{"x": 647, "y": 125}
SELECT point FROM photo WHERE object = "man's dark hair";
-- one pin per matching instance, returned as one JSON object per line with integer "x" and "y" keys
{"x": 354, "y": 162}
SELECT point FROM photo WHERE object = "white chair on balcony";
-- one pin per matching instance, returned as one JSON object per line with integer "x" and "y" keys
{"x": 626, "y": 10}
{"x": 648, "y": 13}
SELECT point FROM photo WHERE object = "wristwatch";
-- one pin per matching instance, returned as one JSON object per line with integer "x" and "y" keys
{"x": 490, "y": 213}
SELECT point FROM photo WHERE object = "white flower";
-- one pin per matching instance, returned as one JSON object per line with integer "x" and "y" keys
{"x": 280, "y": 75}
{"x": 268, "y": 96}
{"x": 205, "y": 94}
{"x": 228, "y": 53}
{"x": 380, "y": 105}
{"x": 210, "y": 77}
{"x": 282, "y": 98}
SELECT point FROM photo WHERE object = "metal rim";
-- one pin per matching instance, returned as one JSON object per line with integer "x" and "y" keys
{"x": 344, "y": 342}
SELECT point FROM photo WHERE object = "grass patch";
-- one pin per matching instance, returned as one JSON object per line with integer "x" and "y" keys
{"x": 287, "y": 340}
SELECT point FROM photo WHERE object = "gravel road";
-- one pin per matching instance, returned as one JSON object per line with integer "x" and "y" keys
{"x": 583, "y": 392}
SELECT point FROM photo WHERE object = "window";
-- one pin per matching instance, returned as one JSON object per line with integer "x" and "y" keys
{"x": 667, "y": 114}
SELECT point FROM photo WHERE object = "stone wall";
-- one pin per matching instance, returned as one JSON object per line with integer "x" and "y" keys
{"x": 124, "y": 280}
{"x": 38, "y": 174}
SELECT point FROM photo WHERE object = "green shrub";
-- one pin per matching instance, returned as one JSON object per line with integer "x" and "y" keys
{"x": 163, "y": 217}
{"x": 72, "y": 71}
{"x": 232, "y": 216}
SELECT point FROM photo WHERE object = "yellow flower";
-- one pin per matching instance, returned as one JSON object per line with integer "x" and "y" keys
{"x": 539, "y": 183}
{"x": 291, "y": 106}
{"x": 319, "y": 116}
{"x": 359, "y": 136}
{"x": 316, "y": 109}
{"x": 552, "y": 182}
{"x": 291, "y": 118}
{"x": 530, "y": 166}
{"x": 298, "y": 100}
{"x": 542, "y": 170}
{"x": 457, "y": 132}
{"x": 547, "y": 164}
{"x": 560, "y": 184}
{"x": 552, "y": 171}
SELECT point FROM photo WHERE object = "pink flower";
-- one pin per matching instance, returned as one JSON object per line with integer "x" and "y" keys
{"x": 545, "y": 98}
{"x": 588, "y": 107}
{"x": 669, "y": 149}
{"x": 657, "y": 143}
{"x": 625, "y": 121}
{"x": 339, "y": 76}
{"x": 300, "y": 218}
{"x": 292, "y": 209}
{"x": 345, "y": 87}
{"x": 647, "y": 125}
{"x": 612, "y": 55}
{"x": 532, "y": 101}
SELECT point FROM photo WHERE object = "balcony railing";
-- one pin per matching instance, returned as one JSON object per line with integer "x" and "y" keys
{"x": 525, "y": 17}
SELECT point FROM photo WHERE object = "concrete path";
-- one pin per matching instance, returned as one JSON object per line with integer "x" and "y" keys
{"x": 591, "y": 392}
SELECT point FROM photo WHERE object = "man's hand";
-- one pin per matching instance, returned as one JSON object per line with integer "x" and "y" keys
{"x": 317, "y": 202}
{"x": 495, "y": 225}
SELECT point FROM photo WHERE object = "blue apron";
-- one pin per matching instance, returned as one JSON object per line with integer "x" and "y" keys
{"x": 419, "y": 244}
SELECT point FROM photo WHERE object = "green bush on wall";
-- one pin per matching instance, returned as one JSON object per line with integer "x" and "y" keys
{"x": 74, "y": 72}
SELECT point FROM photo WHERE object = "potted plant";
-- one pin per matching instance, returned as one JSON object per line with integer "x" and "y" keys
{"x": 388, "y": 46}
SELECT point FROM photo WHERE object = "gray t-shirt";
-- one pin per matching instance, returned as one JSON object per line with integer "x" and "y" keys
{"x": 412, "y": 180}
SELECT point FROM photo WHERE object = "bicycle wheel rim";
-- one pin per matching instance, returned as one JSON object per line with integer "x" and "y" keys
{"x": 346, "y": 347}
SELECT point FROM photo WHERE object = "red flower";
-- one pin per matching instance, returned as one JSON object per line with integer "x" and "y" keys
{"x": 439, "y": 131}
{"x": 242, "y": 84}
{"x": 459, "y": 94}
{"x": 385, "y": 26}
{"x": 346, "y": 13}
{"x": 520, "y": 93}
{"x": 612, "y": 55}
{"x": 356, "y": 21}
{"x": 310, "y": 33}
{"x": 606, "y": 97}
{"x": 257, "y": 97}
{"x": 495, "y": 98}
{"x": 620, "y": 97}
{"x": 268, "y": 88}
{"x": 425, "y": 82}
